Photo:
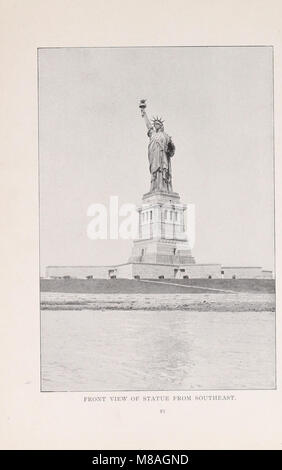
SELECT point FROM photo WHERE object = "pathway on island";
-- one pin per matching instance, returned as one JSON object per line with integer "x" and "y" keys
{"x": 189, "y": 286}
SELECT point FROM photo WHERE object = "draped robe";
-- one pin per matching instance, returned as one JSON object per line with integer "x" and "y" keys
{"x": 160, "y": 151}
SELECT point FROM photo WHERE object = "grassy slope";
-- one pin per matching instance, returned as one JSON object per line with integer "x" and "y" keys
{"x": 240, "y": 285}
{"x": 129, "y": 286}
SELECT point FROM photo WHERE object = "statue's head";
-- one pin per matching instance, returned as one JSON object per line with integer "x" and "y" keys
{"x": 158, "y": 123}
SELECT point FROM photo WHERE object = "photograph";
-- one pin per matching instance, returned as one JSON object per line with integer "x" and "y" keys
{"x": 156, "y": 208}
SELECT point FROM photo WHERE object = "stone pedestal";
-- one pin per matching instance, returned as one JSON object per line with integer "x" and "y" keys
{"x": 162, "y": 231}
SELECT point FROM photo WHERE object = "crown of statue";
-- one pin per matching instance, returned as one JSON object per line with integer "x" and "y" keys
{"x": 158, "y": 119}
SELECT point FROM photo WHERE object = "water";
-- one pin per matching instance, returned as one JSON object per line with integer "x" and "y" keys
{"x": 92, "y": 350}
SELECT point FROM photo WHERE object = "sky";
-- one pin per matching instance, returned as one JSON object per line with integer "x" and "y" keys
{"x": 217, "y": 103}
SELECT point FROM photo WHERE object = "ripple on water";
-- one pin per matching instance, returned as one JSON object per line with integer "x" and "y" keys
{"x": 157, "y": 350}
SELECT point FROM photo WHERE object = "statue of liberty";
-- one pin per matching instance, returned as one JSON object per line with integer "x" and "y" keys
{"x": 160, "y": 151}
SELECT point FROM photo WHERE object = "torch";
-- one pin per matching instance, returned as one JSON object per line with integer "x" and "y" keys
{"x": 142, "y": 106}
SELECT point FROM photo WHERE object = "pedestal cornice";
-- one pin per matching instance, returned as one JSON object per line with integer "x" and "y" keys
{"x": 161, "y": 196}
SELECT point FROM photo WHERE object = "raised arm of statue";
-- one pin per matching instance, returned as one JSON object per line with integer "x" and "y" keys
{"x": 142, "y": 106}
{"x": 147, "y": 120}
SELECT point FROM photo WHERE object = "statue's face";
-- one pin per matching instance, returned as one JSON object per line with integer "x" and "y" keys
{"x": 157, "y": 126}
